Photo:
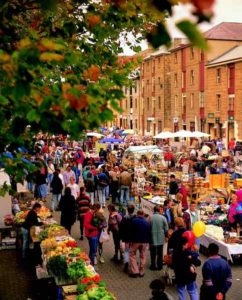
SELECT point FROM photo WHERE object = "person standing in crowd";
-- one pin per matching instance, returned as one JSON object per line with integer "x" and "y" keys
{"x": 140, "y": 239}
{"x": 175, "y": 238}
{"x": 114, "y": 220}
{"x": 90, "y": 186}
{"x": 102, "y": 182}
{"x": 173, "y": 187}
{"x": 184, "y": 262}
{"x": 83, "y": 206}
{"x": 183, "y": 192}
{"x": 68, "y": 209}
{"x": 159, "y": 231}
{"x": 191, "y": 216}
{"x": 232, "y": 212}
{"x": 168, "y": 213}
{"x": 103, "y": 154}
{"x": 56, "y": 188}
{"x": 114, "y": 184}
{"x": 68, "y": 173}
{"x": 41, "y": 183}
{"x": 50, "y": 170}
{"x": 158, "y": 290}
{"x": 125, "y": 181}
{"x": 105, "y": 170}
{"x": 79, "y": 158}
{"x": 102, "y": 223}
{"x": 217, "y": 276}
{"x": 126, "y": 234}
{"x": 91, "y": 233}
{"x": 31, "y": 220}
{"x": 75, "y": 190}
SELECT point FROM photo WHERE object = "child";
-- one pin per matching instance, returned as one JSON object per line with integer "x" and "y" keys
{"x": 158, "y": 290}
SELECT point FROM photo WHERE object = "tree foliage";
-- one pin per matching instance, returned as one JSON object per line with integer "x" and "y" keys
{"x": 59, "y": 64}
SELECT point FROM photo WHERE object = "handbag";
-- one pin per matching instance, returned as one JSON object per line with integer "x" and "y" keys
{"x": 104, "y": 237}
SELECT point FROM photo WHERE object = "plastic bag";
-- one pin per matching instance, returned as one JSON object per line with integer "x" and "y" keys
{"x": 104, "y": 237}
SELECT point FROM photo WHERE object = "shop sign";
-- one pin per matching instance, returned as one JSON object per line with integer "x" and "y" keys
{"x": 210, "y": 115}
{"x": 175, "y": 120}
{"x": 147, "y": 206}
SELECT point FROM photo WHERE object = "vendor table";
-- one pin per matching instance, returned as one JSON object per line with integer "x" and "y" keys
{"x": 225, "y": 250}
{"x": 147, "y": 206}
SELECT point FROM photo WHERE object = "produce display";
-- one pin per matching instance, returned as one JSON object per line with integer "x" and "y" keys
{"x": 215, "y": 232}
{"x": 44, "y": 212}
{"x": 96, "y": 293}
{"x": 20, "y": 217}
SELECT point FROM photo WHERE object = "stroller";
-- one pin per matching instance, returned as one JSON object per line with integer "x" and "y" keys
{"x": 168, "y": 273}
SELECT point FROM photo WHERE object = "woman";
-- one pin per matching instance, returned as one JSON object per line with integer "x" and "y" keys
{"x": 68, "y": 209}
{"x": 56, "y": 189}
{"x": 75, "y": 190}
{"x": 175, "y": 239}
{"x": 102, "y": 223}
{"x": 184, "y": 262}
{"x": 113, "y": 226}
{"x": 232, "y": 212}
{"x": 31, "y": 220}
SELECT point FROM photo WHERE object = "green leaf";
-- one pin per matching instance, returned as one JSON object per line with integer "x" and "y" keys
{"x": 193, "y": 34}
{"x": 3, "y": 100}
{"x": 159, "y": 36}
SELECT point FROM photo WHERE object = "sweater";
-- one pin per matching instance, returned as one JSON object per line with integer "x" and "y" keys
{"x": 90, "y": 230}
{"x": 217, "y": 276}
{"x": 140, "y": 230}
{"x": 83, "y": 203}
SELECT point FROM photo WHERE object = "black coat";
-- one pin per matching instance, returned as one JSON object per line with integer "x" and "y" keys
{"x": 31, "y": 220}
{"x": 56, "y": 185}
{"x": 68, "y": 210}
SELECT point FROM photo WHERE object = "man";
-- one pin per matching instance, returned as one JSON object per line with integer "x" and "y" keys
{"x": 217, "y": 276}
{"x": 169, "y": 213}
{"x": 83, "y": 204}
{"x": 102, "y": 183}
{"x": 173, "y": 187}
{"x": 191, "y": 216}
{"x": 68, "y": 174}
{"x": 125, "y": 234}
{"x": 159, "y": 230}
{"x": 91, "y": 233}
{"x": 125, "y": 181}
{"x": 141, "y": 236}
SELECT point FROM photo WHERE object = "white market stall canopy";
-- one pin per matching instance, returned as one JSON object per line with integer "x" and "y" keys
{"x": 181, "y": 134}
{"x": 164, "y": 135}
{"x": 153, "y": 149}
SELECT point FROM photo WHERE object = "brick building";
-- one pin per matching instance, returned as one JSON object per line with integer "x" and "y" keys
{"x": 178, "y": 89}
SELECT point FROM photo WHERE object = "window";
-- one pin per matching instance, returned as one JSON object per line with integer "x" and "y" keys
{"x": 218, "y": 75}
{"x": 148, "y": 126}
{"x": 153, "y": 70}
{"x": 147, "y": 86}
{"x": 126, "y": 103}
{"x": 175, "y": 80}
{"x": 159, "y": 103}
{"x": 148, "y": 103}
{"x": 176, "y": 103}
{"x": 153, "y": 86}
{"x": 192, "y": 53}
{"x": 218, "y": 102}
{"x": 231, "y": 103}
{"x": 175, "y": 57}
{"x": 136, "y": 123}
{"x": 192, "y": 77}
{"x": 131, "y": 101}
{"x": 184, "y": 100}
{"x": 192, "y": 101}
{"x": 201, "y": 99}
{"x": 136, "y": 103}
{"x": 159, "y": 126}
{"x": 135, "y": 87}
{"x": 183, "y": 80}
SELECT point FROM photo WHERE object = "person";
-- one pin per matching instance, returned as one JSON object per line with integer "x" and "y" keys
{"x": 183, "y": 192}
{"x": 50, "y": 170}
{"x": 140, "y": 239}
{"x": 83, "y": 204}
{"x": 102, "y": 182}
{"x": 232, "y": 212}
{"x": 159, "y": 230}
{"x": 173, "y": 187}
{"x": 75, "y": 190}
{"x": 114, "y": 220}
{"x": 174, "y": 240}
{"x": 184, "y": 262}
{"x": 31, "y": 220}
{"x": 56, "y": 187}
{"x": 90, "y": 186}
{"x": 41, "y": 185}
{"x": 125, "y": 181}
{"x": 68, "y": 173}
{"x": 157, "y": 287}
{"x": 217, "y": 276}
{"x": 91, "y": 233}
{"x": 191, "y": 216}
{"x": 102, "y": 223}
{"x": 114, "y": 184}
{"x": 125, "y": 234}
{"x": 168, "y": 212}
{"x": 67, "y": 207}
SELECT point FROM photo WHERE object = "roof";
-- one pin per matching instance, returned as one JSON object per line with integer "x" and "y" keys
{"x": 231, "y": 31}
{"x": 233, "y": 54}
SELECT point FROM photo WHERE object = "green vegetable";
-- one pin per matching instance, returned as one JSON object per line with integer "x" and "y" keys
{"x": 57, "y": 266}
{"x": 77, "y": 270}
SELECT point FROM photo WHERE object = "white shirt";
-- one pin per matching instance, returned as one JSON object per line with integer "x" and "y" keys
{"x": 75, "y": 190}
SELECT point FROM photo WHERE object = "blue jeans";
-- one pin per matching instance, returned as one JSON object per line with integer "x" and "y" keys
{"x": 124, "y": 194}
{"x": 93, "y": 242}
{"x": 25, "y": 234}
{"x": 107, "y": 191}
{"x": 50, "y": 177}
{"x": 191, "y": 289}
{"x": 55, "y": 200}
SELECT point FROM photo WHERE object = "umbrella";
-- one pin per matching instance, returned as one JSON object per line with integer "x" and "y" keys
{"x": 128, "y": 131}
{"x": 94, "y": 134}
{"x": 119, "y": 131}
{"x": 183, "y": 134}
{"x": 164, "y": 135}
{"x": 111, "y": 141}
{"x": 198, "y": 134}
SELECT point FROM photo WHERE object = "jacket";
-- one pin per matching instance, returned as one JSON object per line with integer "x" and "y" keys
{"x": 187, "y": 216}
{"x": 68, "y": 210}
{"x": 140, "y": 230}
{"x": 124, "y": 228}
{"x": 114, "y": 220}
{"x": 159, "y": 229}
{"x": 125, "y": 178}
{"x": 83, "y": 203}
{"x": 31, "y": 220}
{"x": 56, "y": 185}
{"x": 90, "y": 230}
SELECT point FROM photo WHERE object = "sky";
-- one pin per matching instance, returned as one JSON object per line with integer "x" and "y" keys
{"x": 224, "y": 11}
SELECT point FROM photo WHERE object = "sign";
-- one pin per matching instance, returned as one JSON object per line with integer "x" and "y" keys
{"x": 147, "y": 206}
{"x": 231, "y": 118}
{"x": 175, "y": 120}
{"x": 211, "y": 115}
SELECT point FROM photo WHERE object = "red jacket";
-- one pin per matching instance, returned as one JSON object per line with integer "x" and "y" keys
{"x": 90, "y": 230}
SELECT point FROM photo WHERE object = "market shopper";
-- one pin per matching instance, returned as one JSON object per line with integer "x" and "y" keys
{"x": 90, "y": 186}
{"x": 68, "y": 173}
{"x": 141, "y": 237}
{"x": 114, "y": 220}
{"x": 102, "y": 183}
{"x": 168, "y": 212}
{"x": 175, "y": 239}
{"x": 68, "y": 209}
{"x": 159, "y": 231}
{"x": 217, "y": 276}
{"x": 232, "y": 212}
{"x": 173, "y": 187}
{"x": 31, "y": 220}
{"x": 83, "y": 205}
{"x": 75, "y": 190}
{"x": 56, "y": 188}
{"x": 184, "y": 262}
{"x": 125, "y": 182}
{"x": 91, "y": 233}
{"x": 191, "y": 216}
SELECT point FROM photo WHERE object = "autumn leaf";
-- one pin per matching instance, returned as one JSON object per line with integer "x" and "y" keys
{"x": 78, "y": 103}
{"x": 92, "y": 73}
{"x": 93, "y": 20}
{"x": 47, "y": 44}
{"x": 50, "y": 56}
{"x": 4, "y": 57}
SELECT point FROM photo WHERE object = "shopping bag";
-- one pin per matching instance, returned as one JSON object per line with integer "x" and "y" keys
{"x": 104, "y": 237}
